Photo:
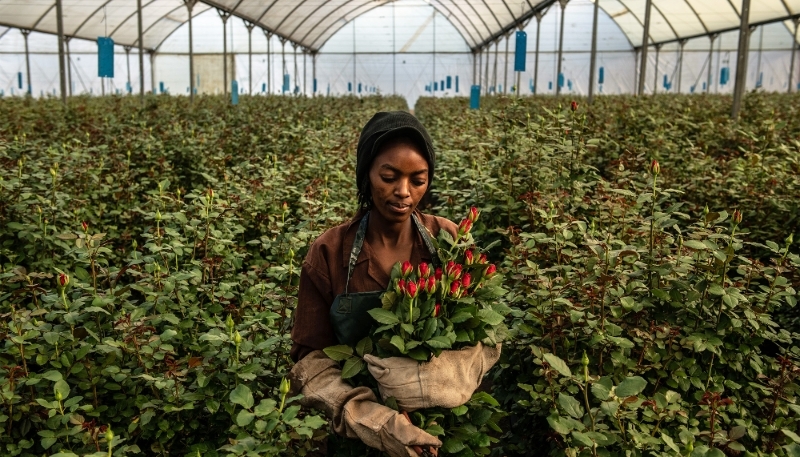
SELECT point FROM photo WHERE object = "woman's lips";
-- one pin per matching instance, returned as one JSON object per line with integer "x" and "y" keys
{"x": 398, "y": 208}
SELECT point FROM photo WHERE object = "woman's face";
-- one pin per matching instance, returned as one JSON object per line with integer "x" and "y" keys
{"x": 398, "y": 180}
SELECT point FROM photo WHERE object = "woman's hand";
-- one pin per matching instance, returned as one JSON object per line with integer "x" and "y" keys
{"x": 446, "y": 381}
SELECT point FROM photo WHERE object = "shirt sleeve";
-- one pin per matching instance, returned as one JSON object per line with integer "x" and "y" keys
{"x": 312, "y": 328}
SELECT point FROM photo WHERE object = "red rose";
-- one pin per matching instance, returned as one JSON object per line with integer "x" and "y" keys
{"x": 437, "y": 309}
{"x": 438, "y": 274}
{"x": 424, "y": 270}
{"x": 411, "y": 289}
{"x": 406, "y": 269}
{"x": 466, "y": 280}
{"x": 473, "y": 214}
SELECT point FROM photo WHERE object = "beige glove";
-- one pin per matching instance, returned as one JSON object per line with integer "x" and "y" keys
{"x": 355, "y": 412}
{"x": 446, "y": 381}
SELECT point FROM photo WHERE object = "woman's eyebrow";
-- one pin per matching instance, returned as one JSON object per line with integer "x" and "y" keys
{"x": 391, "y": 168}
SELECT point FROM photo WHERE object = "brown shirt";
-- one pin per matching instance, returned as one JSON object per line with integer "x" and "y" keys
{"x": 324, "y": 275}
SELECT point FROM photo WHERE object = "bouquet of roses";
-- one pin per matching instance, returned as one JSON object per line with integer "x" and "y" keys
{"x": 426, "y": 311}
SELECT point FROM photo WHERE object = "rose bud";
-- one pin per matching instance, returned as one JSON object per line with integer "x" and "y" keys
{"x": 490, "y": 271}
{"x": 464, "y": 227}
{"x": 411, "y": 289}
{"x": 431, "y": 287}
{"x": 63, "y": 280}
{"x": 466, "y": 280}
{"x": 573, "y": 106}
{"x": 737, "y": 217}
{"x": 454, "y": 287}
{"x": 437, "y": 310}
{"x": 655, "y": 168}
{"x": 424, "y": 270}
{"x": 401, "y": 286}
{"x": 483, "y": 259}
{"x": 422, "y": 284}
{"x": 469, "y": 257}
{"x": 406, "y": 269}
{"x": 473, "y": 214}
{"x": 85, "y": 226}
{"x": 210, "y": 193}
{"x": 438, "y": 274}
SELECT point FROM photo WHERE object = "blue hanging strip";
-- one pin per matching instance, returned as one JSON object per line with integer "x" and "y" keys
{"x": 235, "y": 92}
{"x": 435, "y": 86}
{"x": 19, "y": 80}
{"x": 724, "y": 75}
{"x": 475, "y": 97}
{"x": 561, "y": 80}
{"x": 285, "y": 83}
{"x": 263, "y": 87}
{"x": 666, "y": 82}
{"x": 349, "y": 87}
{"x": 550, "y": 85}
{"x": 105, "y": 57}
{"x": 161, "y": 87}
{"x": 441, "y": 84}
{"x": 520, "y": 51}
{"x": 359, "y": 88}
{"x": 315, "y": 86}
{"x": 449, "y": 82}
{"x": 602, "y": 77}
{"x": 456, "y": 84}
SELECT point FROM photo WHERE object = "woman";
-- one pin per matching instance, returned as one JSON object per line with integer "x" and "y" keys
{"x": 348, "y": 266}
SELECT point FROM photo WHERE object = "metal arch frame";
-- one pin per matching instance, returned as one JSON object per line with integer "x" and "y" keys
{"x": 371, "y": 6}
{"x": 699, "y": 19}
{"x": 488, "y": 30}
{"x": 665, "y": 20}
{"x": 791, "y": 32}
{"x": 257, "y": 22}
{"x": 731, "y": 29}
{"x": 492, "y": 12}
{"x": 132, "y": 15}
{"x": 543, "y": 6}
{"x": 307, "y": 17}
{"x": 8, "y": 29}
{"x": 144, "y": 32}
{"x": 91, "y": 16}
{"x": 449, "y": 15}
{"x": 267, "y": 11}
{"x": 469, "y": 18}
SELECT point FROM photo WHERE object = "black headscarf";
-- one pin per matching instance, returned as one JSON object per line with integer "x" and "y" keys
{"x": 385, "y": 126}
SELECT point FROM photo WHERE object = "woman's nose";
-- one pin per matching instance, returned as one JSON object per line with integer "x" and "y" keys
{"x": 402, "y": 189}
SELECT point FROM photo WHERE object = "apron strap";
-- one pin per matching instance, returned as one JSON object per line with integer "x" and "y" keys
{"x": 358, "y": 243}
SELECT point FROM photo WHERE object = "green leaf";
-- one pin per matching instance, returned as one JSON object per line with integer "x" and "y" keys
{"x": 490, "y": 316}
{"x": 694, "y": 244}
{"x": 265, "y": 407}
{"x": 397, "y": 342}
{"x": 62, "y": 387}
{"x": 601, "y": 388}
{"x": 364, "y": 346}
{"x": 244, "y": 418}
{"x": 352, "y": 367}
{"x": 242, "y": 396}
{"x": 792, "y": 450}
{"x": 339, "y": 353}
{"x": 53, "y": 375}
{"x": 630, "y": 386}
{"x": 439, "y": 342}
{"x": 558, "y": 425}
{"x": 571, "y": 405}
{"x": 791, "y": 434}
{"x": 461, "y": 316}
{"x": 384, "y": 316}
{"x": 387, "y": 299}
{"x": 459, "y": 410}
{"x": 669, "y": 442}
{"x": 557, "y": 364}
{"x": 583, "y": 439}
{"x": 168, "y": 334}
{"x": 452, "y": 445}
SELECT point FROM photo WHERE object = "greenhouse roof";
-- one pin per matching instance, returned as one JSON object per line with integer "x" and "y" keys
{"x": 310, "y": 23}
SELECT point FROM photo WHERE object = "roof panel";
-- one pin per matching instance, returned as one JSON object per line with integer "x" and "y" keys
{"x": 311, "y": 22}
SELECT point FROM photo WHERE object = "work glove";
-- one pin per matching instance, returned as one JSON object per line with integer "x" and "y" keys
{"x": 447, "y": 381}
{"x": 355, "y": 412}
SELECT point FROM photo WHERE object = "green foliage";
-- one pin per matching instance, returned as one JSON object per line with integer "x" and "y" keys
{"x": 688, "y": 320}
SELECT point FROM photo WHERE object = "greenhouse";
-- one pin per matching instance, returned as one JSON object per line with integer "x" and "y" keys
{"x": 500, "y": 228}
{"x": 410, "y": 48}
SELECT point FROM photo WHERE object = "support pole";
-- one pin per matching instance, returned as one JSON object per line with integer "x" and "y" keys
{"x": 741, "y": 60}
{"x": 268, "y": 35}
{"x": 655, "y": 78}
{"x": 152, "y": 70}
{"x": 760, "y": 50}
{"x": 25, "y": 34}
{"x": 561, "y": 46}
{"x": 283, "y": 57}
{"x": 593, "y": 58}
{"x": 645, "y": 44}
{"x": 141, "y": 51}
{"x": 224, "y": 15}
{"x": 494, "y": 76}
{"x": 67, "y": 39}
{"x": 709, "y": 79}
{"x": 682, "y": 43}
{"x": 434, "y": 51}
{"x": 539, "y": 17}
{"x": 480, "y": 67}
{"x": 249, "y": 26}
{"x": 474, "y": 65}
{"x": 505, "y": 76}
{"x": 635, "y": 70}
{"x": 394, "y": 54}
{"x": 190, "y": 5}
{"x": 486, "y": 71}
{"x": 354, "y": 57}
{"x": 305, "y": 79}
{"x": 127, "y": 59}
{"x": 794, "y": 51}
{"x": 296, "y": 72}
{"x": 313, "y": 73}
{"x": 62, "y": 71}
